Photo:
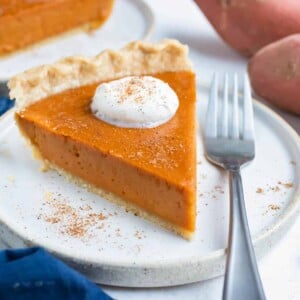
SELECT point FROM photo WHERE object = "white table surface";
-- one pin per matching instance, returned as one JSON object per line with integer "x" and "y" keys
{"x": 280, "y": 268}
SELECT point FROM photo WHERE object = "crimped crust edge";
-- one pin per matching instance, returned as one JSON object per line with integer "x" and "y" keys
{"x": 137, "y": 58}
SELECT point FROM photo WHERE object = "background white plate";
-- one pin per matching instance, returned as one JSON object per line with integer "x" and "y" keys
{"x": 130, "y": 20}
{"x": 125, "y": 250}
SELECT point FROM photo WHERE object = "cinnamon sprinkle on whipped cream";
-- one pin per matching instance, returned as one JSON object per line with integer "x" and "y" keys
{"x": 135, "y": 102}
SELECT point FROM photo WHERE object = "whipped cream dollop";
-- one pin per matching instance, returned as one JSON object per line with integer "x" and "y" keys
{"x": 135, "y": 102}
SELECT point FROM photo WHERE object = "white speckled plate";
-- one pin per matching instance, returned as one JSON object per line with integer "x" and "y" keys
{"x": 130, "y": 20}
{"x": 114, "y": 247}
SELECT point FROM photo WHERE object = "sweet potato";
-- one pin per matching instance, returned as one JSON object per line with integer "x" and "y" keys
{"x": 248, "y": 25}
{"x": 274, "y": 72}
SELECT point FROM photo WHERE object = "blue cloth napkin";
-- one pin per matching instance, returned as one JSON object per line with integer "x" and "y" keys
{"x": 32, "y": 273}
{"x": 5, "y": 104}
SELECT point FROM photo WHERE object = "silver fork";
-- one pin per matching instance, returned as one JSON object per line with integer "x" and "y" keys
{"x": 229, "y": 143}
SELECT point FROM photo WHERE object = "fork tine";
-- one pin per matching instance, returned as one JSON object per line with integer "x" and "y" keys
{"x": 224, "y": 120}
{"x": 212, "y": 109}
{"x": 248, "y": 127}
{"x": 235, "y": 109}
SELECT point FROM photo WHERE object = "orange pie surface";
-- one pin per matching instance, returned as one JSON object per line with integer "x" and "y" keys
{"x": 25, "y": 22}
{"x": 152, "y": 170}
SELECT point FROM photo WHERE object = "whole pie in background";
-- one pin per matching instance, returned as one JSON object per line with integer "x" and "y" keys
{"x": 150, "y": 171}
{"x": 23, "y": 22}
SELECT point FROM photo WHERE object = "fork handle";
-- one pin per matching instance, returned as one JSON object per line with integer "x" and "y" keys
{"x": 242, "y": 280}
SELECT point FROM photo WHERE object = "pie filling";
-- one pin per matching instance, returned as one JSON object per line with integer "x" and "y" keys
{"x": 24, "y": 22}
{"x": 152, "y": 168}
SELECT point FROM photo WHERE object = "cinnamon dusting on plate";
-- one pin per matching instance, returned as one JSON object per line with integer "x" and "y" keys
{"x": 139, "y": 234}
{"x": 72, "y": 221}
{"x": 274, "y": 207}
{"x": 259, "y": 191}
{"x": 275, "y": 188}
{"x": 287, "y": 185}
{"x": 219, "y": 189}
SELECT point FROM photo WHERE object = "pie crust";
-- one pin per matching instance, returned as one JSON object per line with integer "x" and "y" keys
{"x": 136, "y": 58}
